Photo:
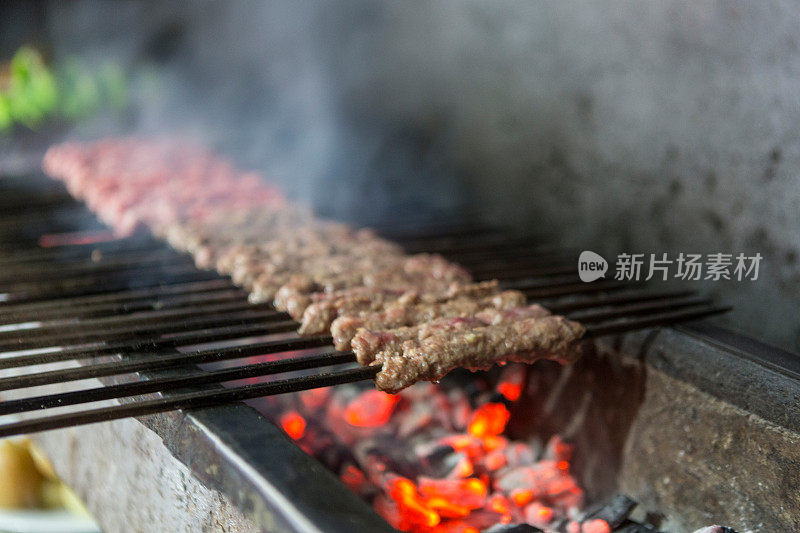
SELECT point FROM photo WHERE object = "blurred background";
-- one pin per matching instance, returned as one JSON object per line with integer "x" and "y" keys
{"x": 629, "y": 126}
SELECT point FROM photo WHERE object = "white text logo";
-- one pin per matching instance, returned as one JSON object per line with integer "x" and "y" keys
{"x": 591, "y": 266}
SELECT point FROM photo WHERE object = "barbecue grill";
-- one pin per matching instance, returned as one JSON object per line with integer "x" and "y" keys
{"x": 136, "y": 318}
{"x": 483, "y": 132}
{"x": 49, "y": 319}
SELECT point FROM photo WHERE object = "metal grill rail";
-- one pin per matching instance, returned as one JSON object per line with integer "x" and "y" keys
{"x": 146, "y": 306}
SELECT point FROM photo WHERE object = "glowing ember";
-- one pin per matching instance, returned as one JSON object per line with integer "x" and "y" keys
{"x": 464, "y": 468}
{"x": 538, "y": 515}
{"x": 425, "y": 505}
{"x": 371, "y": 409}
{"x": 354, "y": 479}
{"x": 455, "y": 526}
{"x": 511, "y": 391}
{"x": 595, "y": 526}
{"x": 512, "y": 382}
{"x": 494, "y": 443}
{"x": 521, "y": 496}
{"x": 469, "y": 493}
{"x": 293, "y": 424}
{"x": 502, "y": 506}
{"x": 432, "y": 459}
{"x": 413, "y": 510}
{"x": 495, "y": 461}
{"x": 488, "y": 420}
{"x": 467, "y": 444}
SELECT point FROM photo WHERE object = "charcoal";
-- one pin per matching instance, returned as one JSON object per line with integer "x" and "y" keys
{"x": 633, "y": 527}
{"x": 519, "y": 454}
{"x": 614, "y": 512}
{"x": 441, "y": 461}
{"x": 513, "y": 528}
{"x": 416, "y": 418}
{"x": 384, "y": 449}
{"x": 439, "y": 453}
{"x": 335, "y": 456}
{"x": 559, "y": 524}
{"x": 496, "y": 397}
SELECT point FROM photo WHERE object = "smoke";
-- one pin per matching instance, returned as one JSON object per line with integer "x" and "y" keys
{"x": 277, "y": 86}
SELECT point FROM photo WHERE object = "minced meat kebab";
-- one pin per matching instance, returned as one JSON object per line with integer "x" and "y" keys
{"x": 418, "y": 316}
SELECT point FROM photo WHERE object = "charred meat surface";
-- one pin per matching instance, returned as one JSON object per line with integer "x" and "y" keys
{"x": 478, "y": 348}
{"x": 418, "y": 315}
{"x": 410, "y": 312}
{"x": 367, "y": 344}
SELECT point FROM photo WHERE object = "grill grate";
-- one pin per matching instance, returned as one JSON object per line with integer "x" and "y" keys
{"x": 147, "y": 306}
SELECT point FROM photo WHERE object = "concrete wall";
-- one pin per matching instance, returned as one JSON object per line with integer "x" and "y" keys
{"x": 624, "y": 126}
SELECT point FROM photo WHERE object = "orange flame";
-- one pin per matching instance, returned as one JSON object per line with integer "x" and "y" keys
{"x": 293, "y": 424}
{"x": 511, "y": 391}
{"x": 494, "y": 443}
{"x": 511, "y": 383}
{"x": 469, "y": 493}
{"x": 521, "y": 496}
{"x": 412, "y": 507}
{"x": 527, "y": 490}
{"x": 489, "y": 419}
{"x": 501, "y": 505}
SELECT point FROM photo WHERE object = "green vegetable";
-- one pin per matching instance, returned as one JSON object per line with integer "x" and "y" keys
{"x": 34, "y": 93}
{"x": 6, "y": 119}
